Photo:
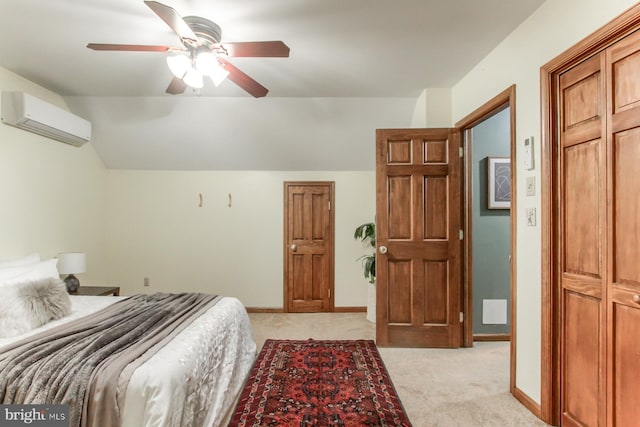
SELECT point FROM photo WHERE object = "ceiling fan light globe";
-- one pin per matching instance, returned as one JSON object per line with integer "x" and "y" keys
{"x": 193, "y": 78}
{"x": 179, "y": 65}
{"x": 218, "y": 75}
{"x": 206, "y": 62}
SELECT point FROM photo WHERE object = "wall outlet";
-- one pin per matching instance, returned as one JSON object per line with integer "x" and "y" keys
{"x": 531, "y": 217}
{"x": 531, "y": 186}
{"x": 146, "y": 281}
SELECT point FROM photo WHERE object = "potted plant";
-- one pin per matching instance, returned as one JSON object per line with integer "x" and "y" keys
{"x": 366, "y": 233}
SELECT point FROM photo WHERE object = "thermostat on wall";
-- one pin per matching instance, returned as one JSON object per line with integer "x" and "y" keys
{"x": 528, "y": 153}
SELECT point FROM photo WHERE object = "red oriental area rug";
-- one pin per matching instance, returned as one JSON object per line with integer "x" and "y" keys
{"x": 319, "y": 383}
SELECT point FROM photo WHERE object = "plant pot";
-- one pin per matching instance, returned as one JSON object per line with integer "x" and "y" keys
{"x": 371, "y": 302}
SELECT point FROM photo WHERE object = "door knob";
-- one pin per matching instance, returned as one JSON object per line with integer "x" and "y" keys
{"x": 294, "y": 247}
{"x": 383, "y": 249}
{"x": 636, "y": 298}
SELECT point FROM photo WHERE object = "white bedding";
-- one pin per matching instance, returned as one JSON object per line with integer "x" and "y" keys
{"x": 202, "y": 369}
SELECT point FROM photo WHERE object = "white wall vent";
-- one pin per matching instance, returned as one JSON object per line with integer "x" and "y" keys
{"x": 27, "y": 112}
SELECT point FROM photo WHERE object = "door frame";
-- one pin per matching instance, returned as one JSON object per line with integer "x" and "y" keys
{"x": 618, "y": 28}
{"x": 332, "y": 240}
{"x": 504, "y": 99}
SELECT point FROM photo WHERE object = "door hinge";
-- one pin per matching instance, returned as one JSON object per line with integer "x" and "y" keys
{"x": 329, "y": 204}
{"x": 461, "y": 151}
{"x": 461, "y": 317}
{"x": 461, "y": 234}
{"x": 329, "y": 292}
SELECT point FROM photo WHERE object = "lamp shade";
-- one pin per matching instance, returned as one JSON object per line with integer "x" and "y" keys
{"x": 193, "y": 78}
{"x": 71, "y": 263}
{"x": 208, "y": 65}
{"x": 179, "y": 65}
{"x": 205, "y": 62}
{"x": 218, "y": 74}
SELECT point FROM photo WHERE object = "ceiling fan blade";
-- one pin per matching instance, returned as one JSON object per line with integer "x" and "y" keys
{"x": 131, "y": 47}
{"x": 271, "y": 49}
{"x": 176, "y": 86}
{"x": 173, "y": 20}
{"x": 254, "y": 88}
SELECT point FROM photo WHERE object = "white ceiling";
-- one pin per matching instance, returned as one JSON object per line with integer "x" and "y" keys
{"x": 355, "y": 65}
{"x": 339, "y": 48}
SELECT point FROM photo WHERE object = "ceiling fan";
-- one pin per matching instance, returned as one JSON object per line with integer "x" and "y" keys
{"x": 202, "y": 52}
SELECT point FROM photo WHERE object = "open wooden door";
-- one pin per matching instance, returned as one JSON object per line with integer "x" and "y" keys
{"x": 418, "y": 231}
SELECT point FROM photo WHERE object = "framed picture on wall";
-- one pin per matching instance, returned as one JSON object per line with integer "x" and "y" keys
{"x": 499, "y": 183}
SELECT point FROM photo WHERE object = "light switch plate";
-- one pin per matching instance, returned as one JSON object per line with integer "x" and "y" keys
{"x": 531, "y": 217}
{"x": 531, "y": 186}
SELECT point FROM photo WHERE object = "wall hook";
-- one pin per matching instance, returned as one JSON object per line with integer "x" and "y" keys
{"x": 229, "y": 199}
{"x": 200, "y": 197}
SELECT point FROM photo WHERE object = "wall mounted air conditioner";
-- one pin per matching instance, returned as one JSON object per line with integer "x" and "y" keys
{"x": 27, "y": 112}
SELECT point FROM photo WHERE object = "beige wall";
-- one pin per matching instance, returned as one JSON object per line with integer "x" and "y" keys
{"x": 52, "y": 193}
{"x": 432, "y": 109}
{"x": 553, "y": 28}
{"x": 155, "y": 229}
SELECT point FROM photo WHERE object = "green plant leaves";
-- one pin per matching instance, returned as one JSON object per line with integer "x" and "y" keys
{"x": 367, "y": 234}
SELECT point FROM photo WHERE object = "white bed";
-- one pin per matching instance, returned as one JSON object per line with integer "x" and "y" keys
{"x": 202, "y": 369}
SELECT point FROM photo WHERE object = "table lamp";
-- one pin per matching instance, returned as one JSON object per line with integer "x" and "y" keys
{"x": 71, "y": 263}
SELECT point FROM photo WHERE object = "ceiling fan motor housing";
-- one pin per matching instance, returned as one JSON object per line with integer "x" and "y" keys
{"x": 207, "y": 31}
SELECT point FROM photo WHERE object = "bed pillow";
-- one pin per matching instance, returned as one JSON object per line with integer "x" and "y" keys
{"x": 27, "y": 273}
{"x": 48, "y": 269}
{"x": 9, "y": 273}
{"x": 29, "y": 305}
{"x": 18, "y": 262}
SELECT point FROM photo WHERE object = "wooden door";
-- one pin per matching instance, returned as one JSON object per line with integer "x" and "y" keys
{"x": 623, "y": 265}
{"x": 599, "y": 263}
{"x": 418, "y": 231}
{"x": 583, "y": 243}
{"x": 308, "y": 246}
{"x": 600, "y": 89}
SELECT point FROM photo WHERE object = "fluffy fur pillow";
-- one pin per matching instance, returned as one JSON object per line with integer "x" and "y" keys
{"x": 26, "y": 306}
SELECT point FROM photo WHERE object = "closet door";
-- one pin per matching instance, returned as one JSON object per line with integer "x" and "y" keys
{"x": 623, "y": 131}
{"x": 582, "y": 243}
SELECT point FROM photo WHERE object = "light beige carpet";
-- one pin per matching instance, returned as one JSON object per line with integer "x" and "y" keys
{"x": 438, "y": 387}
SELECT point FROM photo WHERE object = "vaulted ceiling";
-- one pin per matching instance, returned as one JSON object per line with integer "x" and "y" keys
{"x": 339, "y": 49}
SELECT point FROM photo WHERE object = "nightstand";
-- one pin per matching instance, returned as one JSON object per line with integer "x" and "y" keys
{"x": 97, "y": 290}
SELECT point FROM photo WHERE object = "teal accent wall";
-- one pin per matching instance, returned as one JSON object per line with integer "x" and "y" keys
{"x": 491, "y": 229}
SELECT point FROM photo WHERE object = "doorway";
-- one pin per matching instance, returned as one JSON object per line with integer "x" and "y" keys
{"x": 504, "y": 101}
{"x": 489, "y": 151}
{"x": 309, "y": 247}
